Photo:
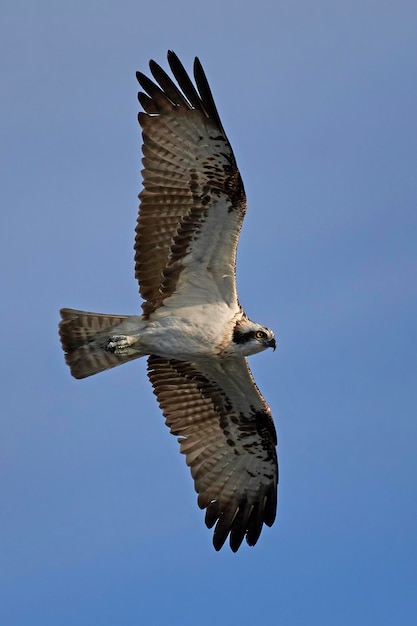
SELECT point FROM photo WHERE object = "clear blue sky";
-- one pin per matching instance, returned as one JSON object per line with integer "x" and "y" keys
{"x": 99, "y": 522}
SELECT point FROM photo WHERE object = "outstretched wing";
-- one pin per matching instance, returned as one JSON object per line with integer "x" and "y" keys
{"x": 193, "y": 201}
{"x": 228, "y": 436}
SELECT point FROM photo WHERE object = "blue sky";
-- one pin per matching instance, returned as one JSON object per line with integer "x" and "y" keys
{"x": 99, "y": 517}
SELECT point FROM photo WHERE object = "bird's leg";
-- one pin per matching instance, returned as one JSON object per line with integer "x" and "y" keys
{"x": 120, "y": 344}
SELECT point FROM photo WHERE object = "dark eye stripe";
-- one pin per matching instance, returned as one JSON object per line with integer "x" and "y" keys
{"x": 241, "y": 337}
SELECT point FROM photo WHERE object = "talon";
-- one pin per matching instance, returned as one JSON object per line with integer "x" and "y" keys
{"x": 120, "y": 344}
{"x": 116, "y": 344}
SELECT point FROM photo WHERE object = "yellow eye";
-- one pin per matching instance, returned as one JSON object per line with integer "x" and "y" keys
{"x": 260, "y": 334}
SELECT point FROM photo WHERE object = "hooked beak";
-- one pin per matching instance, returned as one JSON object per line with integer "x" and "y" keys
{"x": 272, "y": 343}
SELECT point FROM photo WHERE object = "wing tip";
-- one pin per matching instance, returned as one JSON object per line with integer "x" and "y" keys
{"x": 242, "y": 522}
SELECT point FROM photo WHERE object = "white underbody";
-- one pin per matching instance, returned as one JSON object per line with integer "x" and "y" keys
{"x": 187, "y": 333}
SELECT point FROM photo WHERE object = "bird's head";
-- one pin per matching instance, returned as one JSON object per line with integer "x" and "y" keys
{"x": 250, "y": 338}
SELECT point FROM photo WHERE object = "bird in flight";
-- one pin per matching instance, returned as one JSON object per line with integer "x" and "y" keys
{"x": 192, "y": 328}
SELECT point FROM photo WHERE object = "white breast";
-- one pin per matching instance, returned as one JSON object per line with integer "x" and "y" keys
{"x": 188, "y": 332}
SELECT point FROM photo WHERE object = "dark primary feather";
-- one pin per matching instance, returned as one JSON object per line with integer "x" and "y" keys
{"x": 167, "y": 85}
{"x": 185, "y": 83}
{"x": 206, "y": 95}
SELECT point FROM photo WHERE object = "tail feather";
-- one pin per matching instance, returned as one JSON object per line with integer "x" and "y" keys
{"x": 83, "y": 337}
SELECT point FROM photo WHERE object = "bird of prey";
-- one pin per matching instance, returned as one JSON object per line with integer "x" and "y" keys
{"x": 192, "y": 328}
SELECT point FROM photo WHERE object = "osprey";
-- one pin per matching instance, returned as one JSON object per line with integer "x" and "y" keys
{"x": 193, "y": 329}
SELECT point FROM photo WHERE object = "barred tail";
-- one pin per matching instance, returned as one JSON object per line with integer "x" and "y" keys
{"x": 84, "y": 337}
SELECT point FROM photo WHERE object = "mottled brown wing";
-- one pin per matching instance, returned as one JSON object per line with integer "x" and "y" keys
{"x": 228, "y": 436}
{"x": 190, "y": 179}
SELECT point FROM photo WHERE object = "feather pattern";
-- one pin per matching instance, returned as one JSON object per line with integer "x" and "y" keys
{"x": 193, "y": 329}
{"x": 228, "y": 439}
{"x": 190, "y": 178}
{"x": 82, "y": 337}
